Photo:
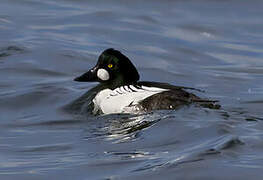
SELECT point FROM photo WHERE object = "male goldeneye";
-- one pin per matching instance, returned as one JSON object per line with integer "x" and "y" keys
{"x": 120, "y": 91}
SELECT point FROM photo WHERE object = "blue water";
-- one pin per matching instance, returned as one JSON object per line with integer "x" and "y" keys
{"x": 216, "y": 46}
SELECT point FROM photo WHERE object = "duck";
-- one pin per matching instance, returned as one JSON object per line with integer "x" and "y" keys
{"x": 120, "y": 91}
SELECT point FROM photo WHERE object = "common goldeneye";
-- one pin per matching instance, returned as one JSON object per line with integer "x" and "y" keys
{"x": 120, "y": 91}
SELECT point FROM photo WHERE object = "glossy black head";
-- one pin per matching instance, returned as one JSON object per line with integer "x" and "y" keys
{"x": 112, "y": 68}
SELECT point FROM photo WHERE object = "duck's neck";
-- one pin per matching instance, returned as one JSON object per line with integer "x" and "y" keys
{"x": 118, "y": 82}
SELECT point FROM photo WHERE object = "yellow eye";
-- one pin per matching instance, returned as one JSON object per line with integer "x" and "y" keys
{"x": 110, "y": 65}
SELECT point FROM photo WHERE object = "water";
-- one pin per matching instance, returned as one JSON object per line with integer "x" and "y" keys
{"x": 212, "y": 45}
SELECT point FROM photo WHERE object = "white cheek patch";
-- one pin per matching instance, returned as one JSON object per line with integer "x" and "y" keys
{"x": 103, "y": 74}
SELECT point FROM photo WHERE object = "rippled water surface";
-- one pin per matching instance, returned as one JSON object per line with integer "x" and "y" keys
{"x": 216, "y": 46}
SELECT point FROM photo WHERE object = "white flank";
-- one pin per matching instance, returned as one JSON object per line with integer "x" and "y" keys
{"x": 122, "y": 99}
{"x": 103, "y": 74}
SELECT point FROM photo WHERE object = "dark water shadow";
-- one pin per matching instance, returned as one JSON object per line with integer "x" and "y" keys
{"x": 11, "y": 50}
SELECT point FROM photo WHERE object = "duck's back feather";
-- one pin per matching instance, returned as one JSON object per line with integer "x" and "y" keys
{"x": 176, "y": 97}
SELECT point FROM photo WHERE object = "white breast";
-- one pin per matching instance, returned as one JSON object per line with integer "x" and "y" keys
{"x": 122, "y": 99}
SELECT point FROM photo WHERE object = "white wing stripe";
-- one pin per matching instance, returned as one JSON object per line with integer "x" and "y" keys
{"x": 123, "y": 90}
{"x": 154, "y": 89}
{"x": 132, "y": 88}
{"x": 127, "y": 89}
{"x": 118, "y": 90}
{"x": 135, "y": 89}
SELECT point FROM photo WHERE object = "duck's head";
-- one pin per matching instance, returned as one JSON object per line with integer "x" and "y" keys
{"x": 113, "y": 68}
